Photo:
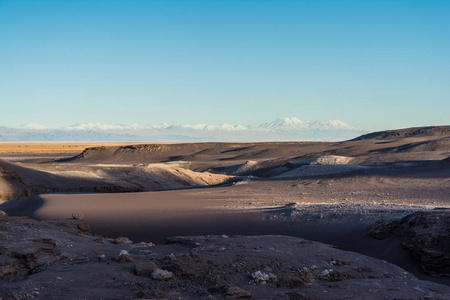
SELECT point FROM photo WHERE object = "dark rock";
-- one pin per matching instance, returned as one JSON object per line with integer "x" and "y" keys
{"x": 341, "y": 262}
{"x": 306, "y": 276}
{"x": 175, "y": 268}
{"x": 10, "y": 267}
{"x": 124, "y": 257}
{"x": 77, "y": 217}
{"x": 218, "y": 289}
{"x": 338, "y": 276}
{"x": 303, "y": 278}
{"x": 84, "y": 227}
{"x": 425, "y": 234}
{"x": 142, "y": 295}
{"x": 182, "y": 241}
{"x": 237, "y": 292}
{"x": 100, "y": 240}
{"x": 168, "y": 259}
{"x": 145, "y": 269}
{"x": 290, "y": 282}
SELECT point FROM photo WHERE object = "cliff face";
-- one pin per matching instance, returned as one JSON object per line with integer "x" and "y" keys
{"x": 426, "y": 235}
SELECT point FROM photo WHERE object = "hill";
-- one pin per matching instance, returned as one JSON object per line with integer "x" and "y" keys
{"x": 432, "y": 131}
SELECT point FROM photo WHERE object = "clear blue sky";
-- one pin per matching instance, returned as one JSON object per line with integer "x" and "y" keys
{"x": 373, "y": 64}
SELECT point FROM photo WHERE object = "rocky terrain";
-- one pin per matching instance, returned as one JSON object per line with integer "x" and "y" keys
{"x": 425, "y": 234}
{"x": 59, "y": 259}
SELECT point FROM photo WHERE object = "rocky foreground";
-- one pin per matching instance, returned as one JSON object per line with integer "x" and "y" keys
{"x": 62, "y": 260}
{"x": 425, "y": 234}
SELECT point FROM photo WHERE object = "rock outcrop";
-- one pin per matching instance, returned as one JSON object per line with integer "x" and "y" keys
{"x": 425, "y": 234}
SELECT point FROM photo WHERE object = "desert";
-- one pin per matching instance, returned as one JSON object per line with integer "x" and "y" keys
{"x": 366, "y": 218}
{"x": 224, "y": 150}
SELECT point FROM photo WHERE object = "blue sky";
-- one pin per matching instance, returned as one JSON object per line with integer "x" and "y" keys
{"x": 373, "y": 64}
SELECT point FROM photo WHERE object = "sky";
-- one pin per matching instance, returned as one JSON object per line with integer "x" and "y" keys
{"x": 373, "y": 64}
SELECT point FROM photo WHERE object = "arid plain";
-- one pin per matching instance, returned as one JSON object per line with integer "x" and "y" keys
{"x": 231, "y": 196}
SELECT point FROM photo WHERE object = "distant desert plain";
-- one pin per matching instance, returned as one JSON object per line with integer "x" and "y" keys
{"x": 366, "y": 218}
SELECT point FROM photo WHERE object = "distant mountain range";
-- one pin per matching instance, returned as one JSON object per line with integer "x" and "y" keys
{"x": 296, "y": 124}
{"x": 284, "y": 129}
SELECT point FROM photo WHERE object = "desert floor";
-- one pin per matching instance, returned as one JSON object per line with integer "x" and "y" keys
{"x": 328, "y": 192}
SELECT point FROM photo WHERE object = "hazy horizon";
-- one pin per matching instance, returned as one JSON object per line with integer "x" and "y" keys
{"x": 284, "y": 129}
{"x": 115, "y": 125}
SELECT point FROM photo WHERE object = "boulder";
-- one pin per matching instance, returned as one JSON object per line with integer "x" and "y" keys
{"x": 145, "y": 269}
{"x": 237, "y": 292}
{"x": 160, "y": 274}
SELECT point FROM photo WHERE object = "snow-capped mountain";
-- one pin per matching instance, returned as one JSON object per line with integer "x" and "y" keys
{"x": 102, "y": 126}
{"x": 226, "y": 127}
{"x": 113, "y": 126}
{"x": 294, "y": 123}
{"x": 291, "y": 124}
{"x": 285, "y": 124}
{"x": 331, "y": 125}
{"x": 284, "y": 129}
{"x": 32, "y": 126}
